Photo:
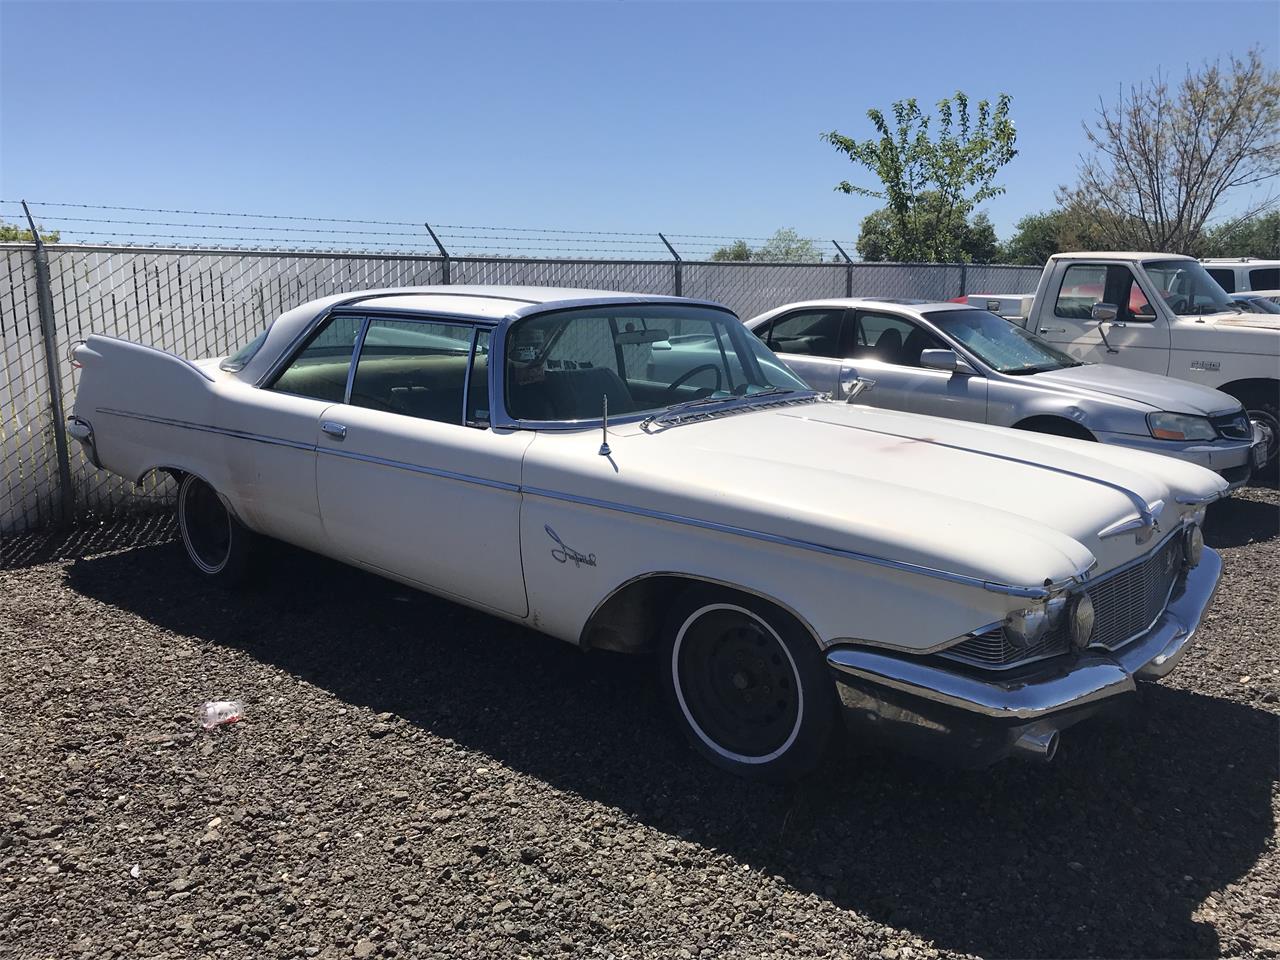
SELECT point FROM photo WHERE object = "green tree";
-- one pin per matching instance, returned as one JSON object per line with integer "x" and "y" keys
{"x": 970, "y": 241}
{"x": 787, "y": 246}
{"x": 1258, "y": 237}
{"x": 738, "y": 250}
{"x": 959, "y": 164}
{"x": 1166, "y": 159}
{"x": 12, "y": 233}
{"x": 1038, "y": 236}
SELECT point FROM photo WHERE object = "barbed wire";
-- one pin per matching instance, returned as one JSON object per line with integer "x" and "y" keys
{"x": 291, "y": 231}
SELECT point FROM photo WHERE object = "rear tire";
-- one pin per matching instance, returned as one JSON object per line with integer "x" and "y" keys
{"x": 217, "y": 544}
{"x": 747, "y": 683}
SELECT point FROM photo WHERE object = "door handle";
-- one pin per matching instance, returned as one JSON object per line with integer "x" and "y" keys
{"x": 1053, "y": 329}
{"x": 336, "y": 430}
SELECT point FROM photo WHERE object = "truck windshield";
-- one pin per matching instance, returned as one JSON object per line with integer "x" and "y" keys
{"x": 1000, "y": 344}
{"x": 1187, "y": 288}
{"x": 644, "y": 358}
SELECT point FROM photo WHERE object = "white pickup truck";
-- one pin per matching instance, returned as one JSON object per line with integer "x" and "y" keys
{"x": 1161, "y": 313}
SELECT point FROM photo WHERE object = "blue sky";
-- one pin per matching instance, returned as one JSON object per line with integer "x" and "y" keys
{"x": 689, "y": 118}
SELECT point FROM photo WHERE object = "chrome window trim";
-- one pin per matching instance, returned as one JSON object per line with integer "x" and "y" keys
{"x": 355, "y": 361}
{"x": 466, "y": 374}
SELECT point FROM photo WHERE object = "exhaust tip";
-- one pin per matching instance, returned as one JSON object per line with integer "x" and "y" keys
{"x": 1037, "y": 746}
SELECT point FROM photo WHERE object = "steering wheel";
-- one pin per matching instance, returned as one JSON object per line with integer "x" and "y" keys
{"x": 1179, "y": 305}
{"x": 689, "y": 375}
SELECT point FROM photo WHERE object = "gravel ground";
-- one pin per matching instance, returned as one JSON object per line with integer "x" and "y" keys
{"x": 416, "y": 779}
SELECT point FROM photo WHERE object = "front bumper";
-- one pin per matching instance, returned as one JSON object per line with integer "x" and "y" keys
{"x": 1233, "y": 460}
{"x": 931, "y": 707}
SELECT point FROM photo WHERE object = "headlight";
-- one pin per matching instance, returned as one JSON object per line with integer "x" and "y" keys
{"x": 1180, "y": 426}
{"x": 1023, "y": 628}
{"x": 1195, "y": 545}
{"x": 1081, "y": 621}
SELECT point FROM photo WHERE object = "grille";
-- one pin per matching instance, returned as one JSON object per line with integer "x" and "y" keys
{"x": 1126, "y": 603}
{"x": 1233, "y": 426}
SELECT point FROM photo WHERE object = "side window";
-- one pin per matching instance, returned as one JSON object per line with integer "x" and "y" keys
{"x": 891, "y": 339}
{"x": 320, "y": 368}
{"x": 1226, "y": 279}
{"x": 1264, "y": 279}
{"x": 478, "y": 385}
{"x": 811, "y": 333}
{"x": 1082, "y": 286}
{"x": 413, "y": 368}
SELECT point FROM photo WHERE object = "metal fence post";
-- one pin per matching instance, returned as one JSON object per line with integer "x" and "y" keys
{"x": 443, "y": 252}
{"x": 848, "y": 269}
{"x": 49, "y": 334}
{"x": 678, "y": 268}
{"x": 964, "y": 279}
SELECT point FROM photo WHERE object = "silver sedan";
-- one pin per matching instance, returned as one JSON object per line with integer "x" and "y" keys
{"x": 951, "y": 360}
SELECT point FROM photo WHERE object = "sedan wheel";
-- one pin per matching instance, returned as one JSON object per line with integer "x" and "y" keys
{"x": 217, "y": 544}
{"x": 748, "y": 684}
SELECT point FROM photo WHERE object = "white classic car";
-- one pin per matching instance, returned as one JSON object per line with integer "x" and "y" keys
{"x": 540, "y": 454}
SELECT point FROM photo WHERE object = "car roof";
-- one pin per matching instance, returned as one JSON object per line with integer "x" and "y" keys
{"x": 1140, "y": 255}
{"x": 913, "y": 307}
{"x": 493, "y": 302}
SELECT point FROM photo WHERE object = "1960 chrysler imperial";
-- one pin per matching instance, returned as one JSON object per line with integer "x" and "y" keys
{"x": 785, "y": 555}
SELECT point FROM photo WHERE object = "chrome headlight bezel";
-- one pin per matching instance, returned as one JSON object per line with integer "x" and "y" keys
{"x": 1081, "y": 619}
{"x": 1026, "y": 627}
{"x": 1166, "y": 425}
{"x": 1193, "y": 546}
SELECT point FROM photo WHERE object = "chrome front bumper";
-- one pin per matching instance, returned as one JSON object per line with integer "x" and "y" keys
{"x": 928, "y": 700}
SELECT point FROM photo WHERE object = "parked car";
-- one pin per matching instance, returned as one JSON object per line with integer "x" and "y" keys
{"x": 1244, "y": 274}
{"x": 1264, "y": 302}
{"x": 949, "y": 360}
{"x": 1163, "y": 314}
{"x": 785, "y": 555}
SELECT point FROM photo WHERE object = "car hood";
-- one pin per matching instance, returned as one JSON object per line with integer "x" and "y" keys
{"x": 1261, "y": 321}
{"x": 1150, "y": 389}
{"x": 1001, "y": 506}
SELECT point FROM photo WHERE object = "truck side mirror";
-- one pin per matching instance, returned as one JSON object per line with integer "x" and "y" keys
{"x": 1105, "y": 312}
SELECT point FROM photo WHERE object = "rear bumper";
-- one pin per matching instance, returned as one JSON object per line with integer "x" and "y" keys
{"x": 931, "y": 707}
{"x": 1233, "y": 460}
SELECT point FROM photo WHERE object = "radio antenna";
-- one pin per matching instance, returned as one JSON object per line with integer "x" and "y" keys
{"x": 604, "y": 427}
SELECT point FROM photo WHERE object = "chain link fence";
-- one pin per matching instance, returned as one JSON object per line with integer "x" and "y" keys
{"x": 206, "y": 302}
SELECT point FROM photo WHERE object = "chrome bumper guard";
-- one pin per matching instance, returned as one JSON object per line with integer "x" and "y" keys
{"x": 935, "y": 699}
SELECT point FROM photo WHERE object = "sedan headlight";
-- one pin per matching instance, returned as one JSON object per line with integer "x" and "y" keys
{"x": 1180, "y": 426}
{"x": 1023, "y": 628}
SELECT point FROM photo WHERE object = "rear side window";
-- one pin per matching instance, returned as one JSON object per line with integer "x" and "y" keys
{"x": 320, "y": 368}
{"x": 1264, "y": 279}
{"x": 413, "y": 368}
{"x": 812, "y": 333}
{"x": 1226, "y": 279}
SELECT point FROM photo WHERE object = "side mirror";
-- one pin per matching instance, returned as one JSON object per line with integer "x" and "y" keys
{"x": 851, "y": 385}
{"x": 945, "y": 360}
{"x": 1105, "y": 312}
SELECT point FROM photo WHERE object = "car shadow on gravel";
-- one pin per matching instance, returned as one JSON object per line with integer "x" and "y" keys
{"x": 1109, "y": 851}
{"x": 1237, "y": 521}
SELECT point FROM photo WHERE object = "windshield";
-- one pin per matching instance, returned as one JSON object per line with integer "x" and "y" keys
{"x": 643, "y": 357}
{"x": 1260, "y": 304}
{"x": 1187, "y": 288}
{"x": 1000, "y": 344}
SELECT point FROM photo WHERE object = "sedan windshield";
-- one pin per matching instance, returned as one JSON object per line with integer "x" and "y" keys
{"x": 1000, "y": 344}
{"x": 1187, "y": 288}
{"x": 642, "y": 357}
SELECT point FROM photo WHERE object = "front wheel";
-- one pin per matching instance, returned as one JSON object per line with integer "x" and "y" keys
{"x": 1265, "y": 412}
{"x": 748, "y": 684}
{"x": 217, "y": 544}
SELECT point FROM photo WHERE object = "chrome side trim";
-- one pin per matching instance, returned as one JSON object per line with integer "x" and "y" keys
{"x": 427, "y": 471}
{"x": 207, "y": 428}
{"x": 1039, "y": 592}
{"x": 1035, "y": 593}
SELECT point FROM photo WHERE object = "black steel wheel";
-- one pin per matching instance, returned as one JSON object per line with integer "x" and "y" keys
{"x": 747, "y": 683}
{"x": 217, "y": 544}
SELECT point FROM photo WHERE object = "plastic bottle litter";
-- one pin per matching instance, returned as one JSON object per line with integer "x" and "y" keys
{"x": 219, "y": 713}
